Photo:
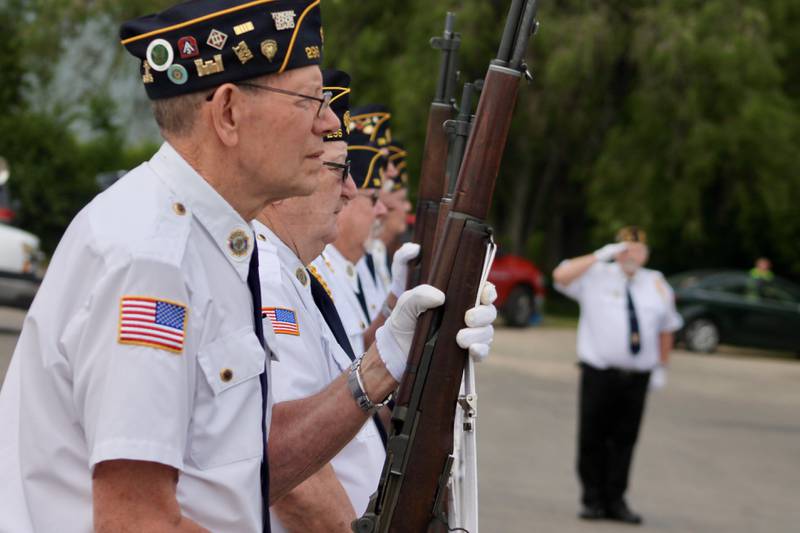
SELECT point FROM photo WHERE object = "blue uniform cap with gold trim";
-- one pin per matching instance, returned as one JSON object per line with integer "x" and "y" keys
{"x": 367, "y": 162}
{"x": 201, "y": 44}
{"x": 371, "y": 124}
{"x": 397, "y": 155}
{"x": 337, "y": 83}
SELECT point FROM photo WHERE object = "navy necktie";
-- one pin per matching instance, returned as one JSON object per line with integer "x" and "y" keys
{"x": 371, "y": 266}
{"x": 361, "y": 299}
{"x": 331, "y": 316}
{"x": 635, "y": 341}
{"x": 254, "y": 284}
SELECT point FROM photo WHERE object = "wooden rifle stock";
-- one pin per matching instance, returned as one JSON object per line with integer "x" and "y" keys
{"x": 432, "y": 183}
{"x": 411, "y": 494}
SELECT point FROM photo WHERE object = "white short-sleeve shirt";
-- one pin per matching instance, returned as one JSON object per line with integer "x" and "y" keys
{"x": 382, "y": 268}
{"x": 604, "y": 329}
{"x": 341, "y": 277}
{"x": 309, "y": 360}
{"x": 96, "y": 384}
{"x": 374, "y": 289}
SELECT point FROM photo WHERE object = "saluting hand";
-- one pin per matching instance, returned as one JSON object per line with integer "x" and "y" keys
{"x": 610, "y": 251}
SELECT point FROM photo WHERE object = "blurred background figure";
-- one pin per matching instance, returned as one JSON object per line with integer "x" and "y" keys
{"x": 625, "y": 334}
{"x": 762, "y": 270}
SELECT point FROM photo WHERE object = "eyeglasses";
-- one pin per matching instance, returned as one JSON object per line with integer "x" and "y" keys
{"x": 373, "y": 197}
{"x": 345, "y": 168}
{"x": 324, "y": 101}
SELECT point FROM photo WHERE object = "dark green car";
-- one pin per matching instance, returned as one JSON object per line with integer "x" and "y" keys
{"x": 732, "y": 307}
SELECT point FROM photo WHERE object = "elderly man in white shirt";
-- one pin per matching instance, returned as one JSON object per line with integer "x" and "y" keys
{"x": 625, "y": 335}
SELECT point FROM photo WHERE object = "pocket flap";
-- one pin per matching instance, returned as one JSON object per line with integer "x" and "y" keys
{"x": 232, "y": 359}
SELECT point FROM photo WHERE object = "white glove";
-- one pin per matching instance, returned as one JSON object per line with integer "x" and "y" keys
{"x": 394, "y": 338}
{"x": 658, "y": 378}
{"x": 478, "y": 334}
{"x": 402, "y": 256}
{"x": 610, "y": 251}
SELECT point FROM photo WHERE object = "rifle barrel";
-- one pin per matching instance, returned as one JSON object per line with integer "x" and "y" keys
{"x": 509, "y": 32}
{"x": 447, "y": 43}
{"x": 523, "y": 36}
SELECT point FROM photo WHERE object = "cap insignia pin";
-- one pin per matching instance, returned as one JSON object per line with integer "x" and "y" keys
{"x": 243, "y": 28}
{"x": 284, "y": 20}
{"x": 212, "y": 66}
{"x": 147, "y": 77}
{"x": 178, "y": 74}
{"x": 243, "y": 52}
{"x": 187, "y": 47}
{"x": 159, "y": 55}
{"x": 269, "y": 48}
{"x": 217, "y": 39}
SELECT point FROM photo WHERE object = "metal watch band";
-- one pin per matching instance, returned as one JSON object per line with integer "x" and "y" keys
{"x": 356, "y": 386}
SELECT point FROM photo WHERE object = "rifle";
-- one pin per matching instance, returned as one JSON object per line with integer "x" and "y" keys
{"x": 432, "y": 173}
{"x": 410, "y": 496}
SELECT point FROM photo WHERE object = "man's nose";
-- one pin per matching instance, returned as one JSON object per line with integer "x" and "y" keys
{"x": 380, "y": 209}
{"x": 327, "y": 123}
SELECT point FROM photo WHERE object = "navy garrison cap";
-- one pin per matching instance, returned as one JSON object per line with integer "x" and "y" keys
{"x": 397, "y": 155}
{"x": 371, "y": 123}
{"x": 367, "y": 162}
{"x": 201, "y": 44}
{"x": 338, "y": 83}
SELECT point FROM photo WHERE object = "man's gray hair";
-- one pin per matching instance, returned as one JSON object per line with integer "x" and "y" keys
{"x": 176, "y": 116}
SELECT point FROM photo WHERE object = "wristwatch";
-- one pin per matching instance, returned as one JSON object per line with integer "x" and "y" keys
{"x": 356, "y": 386}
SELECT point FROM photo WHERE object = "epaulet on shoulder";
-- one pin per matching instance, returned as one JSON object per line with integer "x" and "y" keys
{"x": 170, "y": 233}
{"x": 143, "y": 215}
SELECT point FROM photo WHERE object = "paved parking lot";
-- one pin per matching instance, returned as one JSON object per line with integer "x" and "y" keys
{"x": 720, "y": 449}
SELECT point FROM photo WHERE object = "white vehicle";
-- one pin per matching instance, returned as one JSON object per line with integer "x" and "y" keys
{"x": 21, "y": 266}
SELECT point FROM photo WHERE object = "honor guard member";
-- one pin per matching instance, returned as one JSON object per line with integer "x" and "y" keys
{"x": 371, "y": 125}
{"x": 625, "y": 335}
{"x": 337, "y": 263}
{"x": 314, "y": 349}
{"x": 394, "y": 196}
{"x": 143, "y": 398}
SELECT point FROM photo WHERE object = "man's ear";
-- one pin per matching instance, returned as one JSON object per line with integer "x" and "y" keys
{"x": 227, "y": 108}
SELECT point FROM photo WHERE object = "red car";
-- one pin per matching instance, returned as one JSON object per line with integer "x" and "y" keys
{"x": 520, "y": 289}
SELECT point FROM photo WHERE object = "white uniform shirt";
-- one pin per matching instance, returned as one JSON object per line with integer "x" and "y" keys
{"x": 382, "y": 268}
{"x": 374, "y": 294}
{"x": 604, "y": 329}
{"x": 163, "y": 233}
{"x": 310, "y": 359}
{"x": 340, "y": 275}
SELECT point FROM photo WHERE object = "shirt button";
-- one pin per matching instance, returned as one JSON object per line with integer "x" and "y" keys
{"x": 179, "y": 208}
{"x": 226, "y": 375}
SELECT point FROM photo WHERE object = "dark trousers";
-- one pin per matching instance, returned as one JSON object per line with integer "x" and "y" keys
{"x": 611, "y": 404}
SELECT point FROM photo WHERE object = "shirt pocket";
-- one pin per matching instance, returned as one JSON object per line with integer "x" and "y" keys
{"x": 226, "y": 426}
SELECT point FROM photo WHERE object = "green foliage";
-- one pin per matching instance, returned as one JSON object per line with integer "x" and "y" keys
{"x": 679, "y": 116}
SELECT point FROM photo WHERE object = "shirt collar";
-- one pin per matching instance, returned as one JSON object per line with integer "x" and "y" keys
{"x": 622, "y": 275}
{"x": 287, "y": 256}
{"x": 231, "y": 233}
{"x": 341, "y": 264}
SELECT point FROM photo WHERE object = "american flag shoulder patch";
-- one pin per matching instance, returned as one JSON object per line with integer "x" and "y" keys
{"x": 284, "y": 321}
{"x": 146, "y": 321}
